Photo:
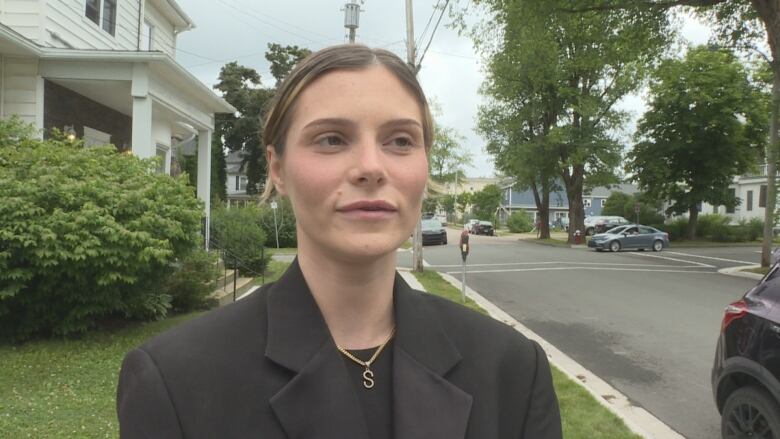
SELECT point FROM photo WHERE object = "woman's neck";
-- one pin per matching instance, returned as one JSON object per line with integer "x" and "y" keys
{"x": 355, "y": 298}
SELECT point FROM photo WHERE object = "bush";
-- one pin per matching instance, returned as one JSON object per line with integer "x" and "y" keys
{"x": 285, "y": 222}
{"x": 239, "y": 234}
{"x": 755, "y": 228}
{"x": 519, "y": 222}
{"x": 712, "y": 225}
{"x": 85, "y": 233}
{"x": 676, "y": 229}
{"x": 190, "y": 283}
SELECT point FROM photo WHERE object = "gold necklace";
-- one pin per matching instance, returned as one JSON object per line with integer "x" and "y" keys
{"x": 368, "y": 375}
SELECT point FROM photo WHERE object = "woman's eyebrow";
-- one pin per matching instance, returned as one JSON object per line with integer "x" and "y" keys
{"x": 329, "y": 121}
{"x": 399, "y": 123}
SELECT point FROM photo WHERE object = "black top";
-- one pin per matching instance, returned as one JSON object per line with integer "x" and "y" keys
{"x": 376, "y": 402}
{"x": 267, "y": 367}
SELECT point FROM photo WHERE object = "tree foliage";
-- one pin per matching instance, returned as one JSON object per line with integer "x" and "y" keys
{"x": 705, "y": 124}
{"x": 86, "y": 233}
{"x": 239, "y": 234}
{"x": 485, "y": 202}
{"x": 283, "y": 59}
{"x": 447, "y": 156}
{"x": 554, "y": 78}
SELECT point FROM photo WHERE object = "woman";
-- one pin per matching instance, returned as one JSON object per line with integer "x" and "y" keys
{"x": 340, "y": 347}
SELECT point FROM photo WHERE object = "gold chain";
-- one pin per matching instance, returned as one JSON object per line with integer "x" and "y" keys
{"x": 368, "y": 375}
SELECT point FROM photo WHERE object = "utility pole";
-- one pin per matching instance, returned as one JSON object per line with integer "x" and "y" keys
{"x": 417, "y": 257}
{"x": 352, "y": 19}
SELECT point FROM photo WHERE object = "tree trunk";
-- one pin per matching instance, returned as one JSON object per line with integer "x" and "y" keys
{"x": 574, "y": 184}
{"x": 693, "y": 219}
{"x": 769, "y": 12}
{"x": 543, "y": 208}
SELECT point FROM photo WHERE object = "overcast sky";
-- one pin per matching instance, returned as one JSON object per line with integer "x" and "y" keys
{"x": 240, "y": 30}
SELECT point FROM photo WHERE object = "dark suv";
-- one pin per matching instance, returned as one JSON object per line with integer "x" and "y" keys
{"x": 746, "y": 372}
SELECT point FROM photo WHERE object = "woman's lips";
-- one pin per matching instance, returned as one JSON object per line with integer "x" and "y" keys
{"x": 368, "y": 210}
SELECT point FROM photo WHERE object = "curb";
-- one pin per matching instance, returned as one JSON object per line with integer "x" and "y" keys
{"x": 637, "y": 419}
{"x": 737, "y": 272}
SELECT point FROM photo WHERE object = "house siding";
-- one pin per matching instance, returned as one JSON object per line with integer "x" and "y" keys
{"x": 20, "y": 88}
{"x": 66, "y": 24}
{"x": 163, "y": 36}
{"x": 23, "y": 16}
{"x": 63, "y": 106}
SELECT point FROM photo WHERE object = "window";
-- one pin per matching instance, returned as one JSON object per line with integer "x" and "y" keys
{"x": 762, "y": 196}
{"x": 102, "y": 13}
{"x": 238, "y": 180}
{"x": 162, "y": 153}
{"x": 586, "y": 202}
{"x": 603, "y": 202}
{"x": 714, "y": 209}
{"x": 749, "y": 200}
{"x": 93, "y": 11}
{"x": 147, "y": 32}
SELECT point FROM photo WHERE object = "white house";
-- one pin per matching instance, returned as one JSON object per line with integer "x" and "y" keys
{"x": 104, "y": 70}
{"x": 750, "y": 189}
{"x": 237, "y": 179}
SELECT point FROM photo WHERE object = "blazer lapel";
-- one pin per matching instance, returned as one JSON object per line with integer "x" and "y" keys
{"x": 318, "y": 402}
{"x": 426, "y": 405}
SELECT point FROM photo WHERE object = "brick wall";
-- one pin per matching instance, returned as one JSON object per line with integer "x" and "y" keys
{"x": 62, "y": 106}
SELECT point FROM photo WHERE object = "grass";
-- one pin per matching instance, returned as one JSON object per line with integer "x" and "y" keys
{"x": 434, "y": 283}
{"x": 281, "y": 251}
{"x": 273, "y": 272}
{"x": 67, "y": 388}
{"x": 759, "y": 270}
{"x": 406, "y": 244}
{"x": 582, "y": 416}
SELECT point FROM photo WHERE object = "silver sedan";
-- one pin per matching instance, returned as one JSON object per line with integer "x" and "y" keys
{"x": 630, "y": 237}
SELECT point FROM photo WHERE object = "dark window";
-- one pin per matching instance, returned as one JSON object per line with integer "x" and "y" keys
{"x": 238, "y": 180}
{"x": 762, "y": 196}
{"x": 732, "y": 193}
{"x": 749, "y": 200}
{"x": 109, "y": 16}
{"x": 714, "y": 209}
{"x": 93, "y": 10}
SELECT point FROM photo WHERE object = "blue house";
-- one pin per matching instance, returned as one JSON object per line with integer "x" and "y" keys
{"x": 514, "y": 200}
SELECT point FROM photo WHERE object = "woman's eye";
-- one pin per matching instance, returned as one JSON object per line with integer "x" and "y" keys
{"x": 330, "y": 141}
{"x": 402, "y": 142}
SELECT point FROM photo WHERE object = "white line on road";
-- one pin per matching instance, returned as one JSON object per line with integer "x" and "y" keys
{"x": 713, "y": 258}
{"x": 509, "y": 270}
{"x": 645, "y": 255}
{"x": 564, "y": 262}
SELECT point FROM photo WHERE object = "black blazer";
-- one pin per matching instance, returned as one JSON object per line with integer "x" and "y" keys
{"x": 266, "y": 367}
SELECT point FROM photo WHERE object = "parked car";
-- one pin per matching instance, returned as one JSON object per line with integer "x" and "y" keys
{"x": 630, "y": 237}
{"x": 746, "y": 371}
{"x": 433, "y": 232}
{"x": 470, "y": 224}
{"x": 483, "y": 228}
{"x": 608, "y": 223}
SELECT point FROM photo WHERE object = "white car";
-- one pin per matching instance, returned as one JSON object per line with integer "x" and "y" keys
{"x": 592, "y": 221}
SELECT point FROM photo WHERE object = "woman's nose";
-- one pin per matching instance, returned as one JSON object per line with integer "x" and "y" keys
{"x": 368, "y": 166}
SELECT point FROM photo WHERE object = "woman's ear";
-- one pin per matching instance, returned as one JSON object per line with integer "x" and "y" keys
{"x": 275, "y": 169}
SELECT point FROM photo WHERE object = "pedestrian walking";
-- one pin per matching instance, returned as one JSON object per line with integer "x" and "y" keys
{"x": 341, "y": 347}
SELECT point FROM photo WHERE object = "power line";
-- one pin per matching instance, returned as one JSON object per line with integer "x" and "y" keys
{"x": 419, "y": 63}
{"x": 422, "y": 35}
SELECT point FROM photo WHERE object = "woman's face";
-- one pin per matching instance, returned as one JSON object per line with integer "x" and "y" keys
{"x": 354, "y": 163}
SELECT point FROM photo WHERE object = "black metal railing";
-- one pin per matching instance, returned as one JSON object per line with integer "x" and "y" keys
{"x": 238, "y": 263}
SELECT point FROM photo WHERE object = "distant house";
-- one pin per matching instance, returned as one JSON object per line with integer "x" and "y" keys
{"x": 514, "y": 200}
{"x": 237, "y": 179}
{"x": 750, "y": 189}
{"x": 104, "y": 70}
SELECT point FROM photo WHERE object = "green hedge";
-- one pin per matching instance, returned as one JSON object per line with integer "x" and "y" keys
{"x": 716, "y": 228}
{"x": 239, "y": 232}
{"x": 85, "y": 233}
{"x": 285, "y": 222}
{"x": 519, "y": 222}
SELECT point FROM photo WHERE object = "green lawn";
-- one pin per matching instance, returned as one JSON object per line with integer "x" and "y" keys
{"x": 583, "y": 417}
{"x": 67, "y": 388}
{"x": 282, "y": 250}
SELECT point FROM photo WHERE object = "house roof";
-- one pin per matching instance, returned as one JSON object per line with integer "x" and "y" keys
{"x": 605, "y": 192}
{"x": 181, "y": 21}
{"x": 158, "y": 61}
{"x": 13, "y": 43}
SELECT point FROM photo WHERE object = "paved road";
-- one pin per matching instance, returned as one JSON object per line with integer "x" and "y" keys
{"x": 645, "y": 322}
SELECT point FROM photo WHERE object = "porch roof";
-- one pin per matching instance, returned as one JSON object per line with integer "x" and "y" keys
{"x": 158, "y": 62}
{"x": 13, "y": 43}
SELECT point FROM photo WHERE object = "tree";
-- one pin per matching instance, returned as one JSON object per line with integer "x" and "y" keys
{"x": 447, "y": 156}
{"x": 705, "y": 124}
{"x": 485, "y": 202}
{"x": 622, "y": 204}
{"x": 283, "y": 59}
{"x": 571, "y": 69}
{"x": 740, "y": 24}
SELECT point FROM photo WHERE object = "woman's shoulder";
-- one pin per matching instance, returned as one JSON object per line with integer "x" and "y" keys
{"x": 217, "y": 327}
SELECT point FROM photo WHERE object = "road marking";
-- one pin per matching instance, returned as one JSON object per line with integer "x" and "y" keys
{"x": 509, "y": 270}
{"x": 645, "y": 255}
{"x": 562, "y": 262}
{"x": 710, "y": 257}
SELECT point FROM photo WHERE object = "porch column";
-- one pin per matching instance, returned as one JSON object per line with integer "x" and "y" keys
{"x": 142, "y": 113}
{"x": 204, "y": 177}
